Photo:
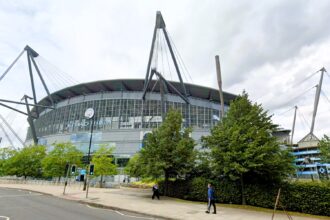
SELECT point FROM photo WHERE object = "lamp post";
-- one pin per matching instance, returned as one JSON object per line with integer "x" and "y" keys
{"x": 89, "y": 114}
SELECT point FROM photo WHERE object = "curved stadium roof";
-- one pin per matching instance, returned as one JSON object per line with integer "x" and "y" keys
{"x": 132, "y": 85}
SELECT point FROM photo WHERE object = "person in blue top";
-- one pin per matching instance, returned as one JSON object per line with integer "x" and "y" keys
{"x": 211, "y": 199}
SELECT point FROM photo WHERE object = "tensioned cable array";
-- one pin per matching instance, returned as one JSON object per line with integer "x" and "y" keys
{"x": 167, "y": 57}
{"x": 285, "y": 111}
{"x": 161, "y": 54}
{"x": 185, "y": 69}
{"x": 41, "y": 72}
{"x": 306, "y": 124}
{"x": 294, "y": 86}
{"x": 297, "y": 97}
{"x": 57, "y": 77}
{"x": 305, "y": 79}
{"x": 303, "y": 119}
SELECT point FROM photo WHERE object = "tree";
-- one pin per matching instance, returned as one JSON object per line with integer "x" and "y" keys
{"x": 203, "y": 166}
{"x": 242, "y": 145}
{"x": 54, "y": 163}
{"x": 169, "y": 150}
{"x": 26, "y": 161}
{"x": 5, "y": 154}
{"x": 134, "y": 167}
{"x": 324, "y": 146}
{"x": 103, "y": 163}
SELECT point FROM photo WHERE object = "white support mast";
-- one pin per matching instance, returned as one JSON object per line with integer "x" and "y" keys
{"x": 222, "y": 107}
{"x": 294, "y": 124}
{"x": 317, "y": 98}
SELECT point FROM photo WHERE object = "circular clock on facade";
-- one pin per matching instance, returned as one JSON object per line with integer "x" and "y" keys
{"x": 89, "y": 113}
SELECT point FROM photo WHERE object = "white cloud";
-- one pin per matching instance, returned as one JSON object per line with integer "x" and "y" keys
{"x": 264, "y": 47}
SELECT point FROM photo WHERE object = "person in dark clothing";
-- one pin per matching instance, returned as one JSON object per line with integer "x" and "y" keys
{"x": 156, "y": 191}
{"x": 211, "y": 199}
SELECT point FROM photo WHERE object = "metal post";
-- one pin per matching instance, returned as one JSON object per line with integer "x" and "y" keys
{"x": 294, "y": 124}
{"x": 32, "y": 82}
{"x": 66, "y": 179}
{"x": 11, "y": 66}
{"x": 30, "y": 120}
{"x": 150, "y": 57}
{"x": 42, "y": 80}
{"x": 317, "y": 98}
{"x": 162, "y": 98}
{"x": 88, "y": 158}
{"x": 174, "y": 61}
{"x": 222, "y": 110}
{"x": 276, "y": 202}
{"x": 160, "y": 24}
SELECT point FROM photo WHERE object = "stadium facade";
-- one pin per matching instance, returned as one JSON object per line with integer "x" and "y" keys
{"x": 122, "y": 118}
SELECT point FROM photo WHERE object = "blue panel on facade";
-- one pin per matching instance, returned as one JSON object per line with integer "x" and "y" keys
{"x": 306, "y": 172}
{"x": 307, "y": 165}
{"x": 84, "y": 137}
{"x": 306, "y": 152}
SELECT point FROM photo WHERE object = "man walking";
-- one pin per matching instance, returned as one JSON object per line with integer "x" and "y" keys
{"x": 211, "y": 199}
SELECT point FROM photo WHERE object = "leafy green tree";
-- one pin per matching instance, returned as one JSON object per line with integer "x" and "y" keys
{"x": 169, "y": 149}
{"x": 5, "y": 154}
{"x": 134, "y": 167}
{"x": 203, "y": 166}
{"x": 324, "y": 146}
{"x": 243, "y": 148}
{"x": 103, "y": 163}
{"x": 26, "y": 161}
{"x": 54, "y": 163}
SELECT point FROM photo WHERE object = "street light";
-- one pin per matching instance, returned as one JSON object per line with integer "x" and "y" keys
{"x": 89, "y": 114}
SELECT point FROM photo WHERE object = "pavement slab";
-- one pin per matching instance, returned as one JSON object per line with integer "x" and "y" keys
{"x": 139, "y": 201}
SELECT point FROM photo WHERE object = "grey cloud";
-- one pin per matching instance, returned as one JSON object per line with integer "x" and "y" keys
{"x": 259, "y": 43}
{"x": 274, "y": 33}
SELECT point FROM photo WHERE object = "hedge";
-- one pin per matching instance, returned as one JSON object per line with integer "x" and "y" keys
{"x": 306, "y": 197}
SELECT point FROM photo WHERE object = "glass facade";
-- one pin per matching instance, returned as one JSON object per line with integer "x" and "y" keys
{"x": 121, "y": 113}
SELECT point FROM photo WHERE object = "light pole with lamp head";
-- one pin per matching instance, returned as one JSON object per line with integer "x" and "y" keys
{"x": 89, "y": 114}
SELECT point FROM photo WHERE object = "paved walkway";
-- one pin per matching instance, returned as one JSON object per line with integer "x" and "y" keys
{"x": 139, "y": 201}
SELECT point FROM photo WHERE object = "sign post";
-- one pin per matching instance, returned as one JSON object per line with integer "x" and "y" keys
{"x": 89, "y": 114}
{"x": 67, "y": 168}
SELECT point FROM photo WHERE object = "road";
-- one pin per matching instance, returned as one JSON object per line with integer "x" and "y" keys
{"x": 18, "y": 204}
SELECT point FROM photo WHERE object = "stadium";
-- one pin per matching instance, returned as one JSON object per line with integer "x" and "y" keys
{"x": 124, "y": 110}
{"x": 122, "y": 117}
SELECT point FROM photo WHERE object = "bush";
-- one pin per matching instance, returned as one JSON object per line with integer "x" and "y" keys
{"x": 178, "y": 189}
{"x": 309, "y": 197}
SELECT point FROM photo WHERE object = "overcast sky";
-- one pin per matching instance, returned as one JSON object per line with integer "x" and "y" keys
{"x": 267, "y": 48}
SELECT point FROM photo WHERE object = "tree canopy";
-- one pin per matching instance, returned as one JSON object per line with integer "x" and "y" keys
{"x": 56, "y": 160}
{"x": 134, "y": 167}
{"x": 5, "y": 154}
{"x": 242, "y": 145}
{"x": 26, "y": 161}
{"x": 324, "y": 146}
{"x": 169, "y": 150}
{"x": 103, "y": 162}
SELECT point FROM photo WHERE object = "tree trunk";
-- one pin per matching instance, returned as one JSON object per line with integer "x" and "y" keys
{"x": 59, "y": 179}
{"x": 101, "y": 182}
{"x": 166, "y": 183}
{"x": 242, "y": 190}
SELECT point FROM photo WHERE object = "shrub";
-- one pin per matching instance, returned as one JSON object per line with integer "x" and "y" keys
{"x": 178, "y": 189}
{"x": 309, "y": 197}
